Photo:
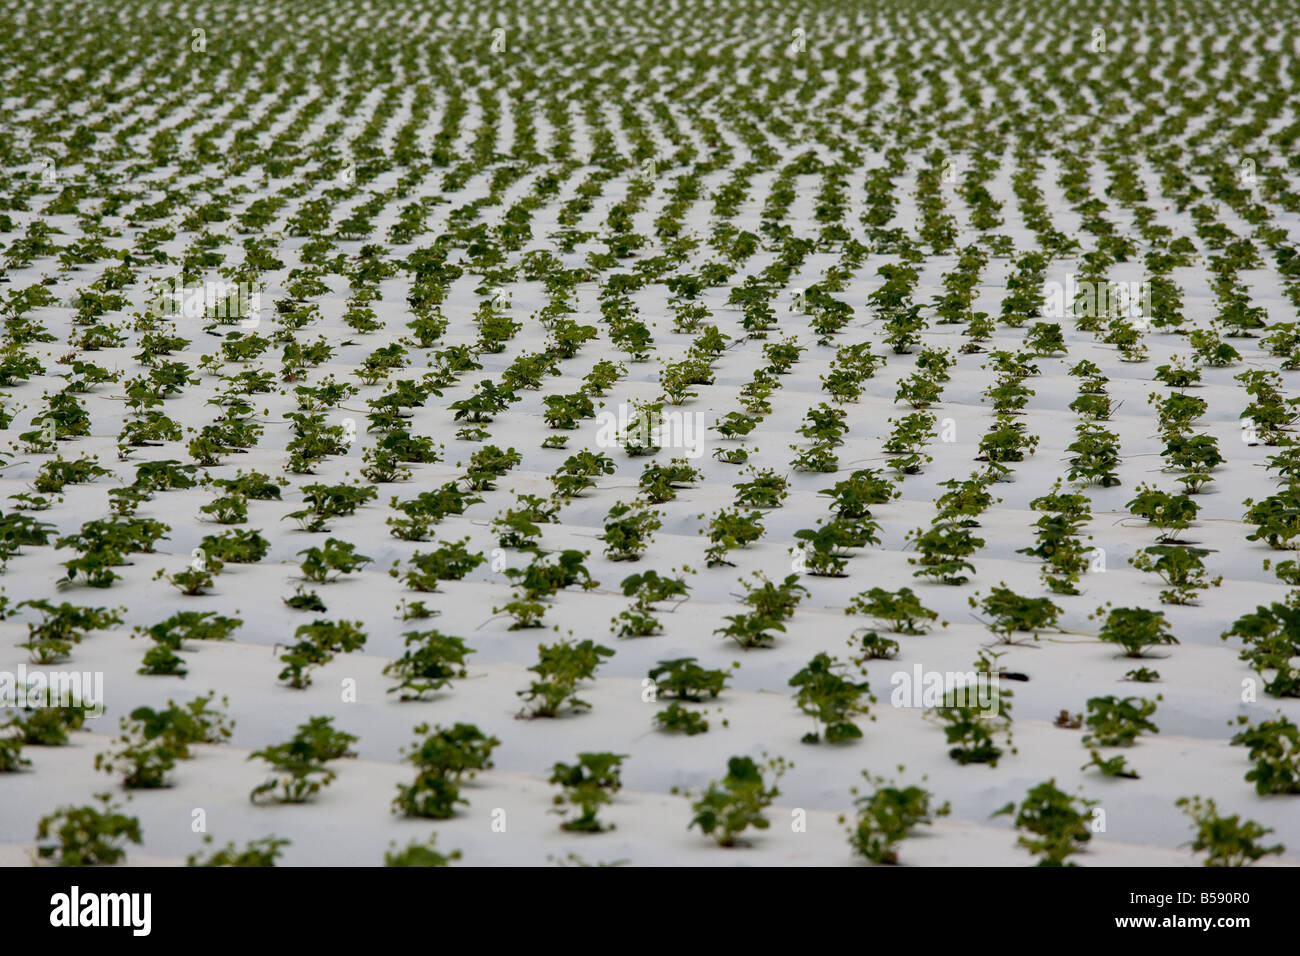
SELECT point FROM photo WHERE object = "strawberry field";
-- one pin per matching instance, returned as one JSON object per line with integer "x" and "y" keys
{"x": 649, "y": 433}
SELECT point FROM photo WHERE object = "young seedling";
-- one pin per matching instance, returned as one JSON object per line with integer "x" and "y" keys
{"x": 1055, "y": 824}
{"x": 416, "y": 853}
{"x": 1135, "y": 629}
{"x": 559, "y": 668}
{"x": 902, "y": 610}
{"x": 831, "y": 700}
{"x": 737, "y": 801}
{"x": 1275, "y": 748}
{"x": 442, "y": 760}
{"x": 86, "y": 835}
{"x": 1009, "y": 613}
{"x": 629, "y": 529}
{"x": 646, "y": 590}
{"x": 587, "y": 785}
{"x": 336, "y": 558}
{"x": 1181, "y": 567}
{"x": 263, "y": 852}
{"x": 430, "y": 662}
{"x": 299, "y": 765}
{"x": 1226, "y": 841}
{"x": 1115, "y": 766}
{"x": 1118, "y": 723}
{"x": 887, "y": 815}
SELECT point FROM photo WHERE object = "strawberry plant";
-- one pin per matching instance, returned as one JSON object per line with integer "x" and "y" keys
{"x": 1010, "y": 613}
{"x": 1134, "y": 629}
{"x": 317, "y": 644}
{"x": 559, "y": 668}
{"x": 1170, "y": 514}
{"x": 1274, "y": 745}
{"x": 86, "y": 835}
{"x": 943, "y": 549}
{"x": 830, "y": 699}
{"x": 729, "y": 530}
{"x": 299, "y": 766}
{"x": 1226, "y": 841}
{"x": 735, "y": 803}
{"x": 660, "y": 483}
{"x": 1118, "y": 723}
{"x": 902, "y": 610}
{"x": 416, "y": 853}
{"x": 1179, "y": 566}
{"x": 887, "y": 815}
{"x": 46, "y": 726}
{"x": 647, "y": 590}
{"x": 1116, "y": 766}
{"x": 11, "y": 755}
{"x": 629, "y": 530}
{"x": 586, "y": 786}
{"x": 336, "y": 558}
{"x": 684, "y": 679}
{"x": 444, "y": 758}
{"x": 430, "y": 662}
{"x": 263, "y": 852}
{"x": 451, "y": 562}
{"x": 1271, "y": 636}
{"x": 1055, "y": 824}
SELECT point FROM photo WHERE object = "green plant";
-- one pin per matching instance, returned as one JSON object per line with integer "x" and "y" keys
{"x": 263, "y": 852}
{"x": 450, "y": 562}
{"x": 1116, "y": 766}
{"x": 317, "y": 644}
{"x": 684, "y": 679}
{"x": 1179, "y": 566}
{"x": 11, "y": 755}
{"x": 646, "y": 590}
{"x": 559, "y": 668}
{"x": 1135, "y": 629}
{"x": 1226, "y": 841}
{"x": 729, "y": 530}
{"x": 442, "y": 759}
{"x": 659, "y": 483}
{"x": 1117, "y": 723}
{"x": 416, "y": 853}
{"x": 299, "y": 765}
{"x": 871, "y": 646}
{"x": 902, "y": 610}
{"x": 628, "y": 531}
{"x": 429, "y": 663}
{"x": 1271, "y": 639}
{"x": 1056, "y": 824}
{"x": 1010, "y": 613}
{"x": 1171, "y": 514}
{"x": 334, "y": 559}
{"x": 1275, "y": 747}
{"x": 943, "y": 549}
{"x": 676, "y": 718}
{"x": 886, "y": 816}
{"x": 86, "y": 835}
{"x": 735, "y": 803}
{"x": 47, "y": 726}
{"x": 830, "y": 699}
{"x": 587, "y": 785}
{"x": 1096, "y": 456}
